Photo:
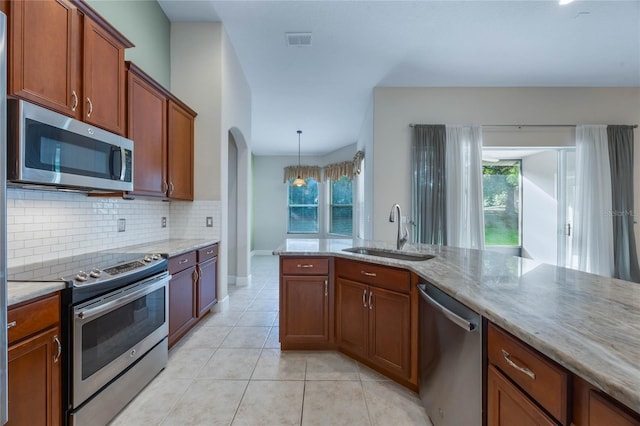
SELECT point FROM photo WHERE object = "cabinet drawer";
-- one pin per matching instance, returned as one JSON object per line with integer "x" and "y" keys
{"x": 305, "y": 266}
{"x": 33, "y": 317}
{"x": 545, "y": 381}
{"x": 207, "y": 253}
{"x": 182, "y": 262}
{"x": 381, "y": 276}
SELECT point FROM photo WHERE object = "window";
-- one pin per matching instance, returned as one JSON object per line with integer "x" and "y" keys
{"x": 501, "y": 191}
{"x": 303, "y": 208}
{"x": 341, "y": 206}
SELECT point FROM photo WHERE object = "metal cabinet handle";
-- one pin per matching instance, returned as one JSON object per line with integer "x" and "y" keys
{"x": 171, "y": 188}
{"x": 307, "y": 265}
{"x": 368, "y": 274}
{"x": 165, "y": 187}
{"x": 90, "y": 107}
{"x": 183, "y": 261}
{"x": 326, "y": 288}
{"x": 195, "y": 275}
{"x": 74, "y": 96}
{"x": 506, "y": 355}
{"x": 370, "y": 300}
{"x": 11, "y": 324}
{"x": 56, "y": 358}
{"x": 364, "y": 298}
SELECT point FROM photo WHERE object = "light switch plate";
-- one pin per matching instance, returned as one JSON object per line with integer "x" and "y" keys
{"x": 122, "y": 225}
{"x": 209, "y": 222}
{"x": 164, "y": 222}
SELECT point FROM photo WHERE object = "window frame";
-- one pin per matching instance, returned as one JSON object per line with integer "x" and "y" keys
{"x": 330, "y": 206}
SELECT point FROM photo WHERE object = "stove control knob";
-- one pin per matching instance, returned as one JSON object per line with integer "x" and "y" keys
{"x": 155, "y": 256}
{"x": 82, "y": 276}
{"x": 147, "y": 259}
{"x": 95, "y": 273}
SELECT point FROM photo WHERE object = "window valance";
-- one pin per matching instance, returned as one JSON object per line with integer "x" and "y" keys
{"x": 336, "y": 170}
{"x": 305, "y": 172}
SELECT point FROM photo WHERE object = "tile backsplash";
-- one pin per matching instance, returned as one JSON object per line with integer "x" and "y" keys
{"x": 46, "y": 225}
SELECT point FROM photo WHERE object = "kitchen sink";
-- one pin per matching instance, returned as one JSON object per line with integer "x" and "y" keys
{"x": 400, "y": 255}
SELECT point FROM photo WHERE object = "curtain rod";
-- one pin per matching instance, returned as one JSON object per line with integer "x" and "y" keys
{"x": 635, "y": 126}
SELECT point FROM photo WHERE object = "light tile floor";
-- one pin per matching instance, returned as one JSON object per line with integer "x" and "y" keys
{"x": 229, "y": 370}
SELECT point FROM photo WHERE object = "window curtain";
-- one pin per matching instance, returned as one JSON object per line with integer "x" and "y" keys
{"x": 429, "y": 206}
{"x": 592, "y": 244}
{"x": 335, "y": 171}
{"x": 625, "y": 257}
{"x": 305, "y": 172}
{"x": 464, "y": 199}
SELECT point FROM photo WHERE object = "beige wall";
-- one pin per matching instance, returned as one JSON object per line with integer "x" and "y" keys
{"x": 396, "y": 108}
{"x": 144, "y": 23}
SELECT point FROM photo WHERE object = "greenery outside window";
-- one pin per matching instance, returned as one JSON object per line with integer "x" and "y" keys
{"x": 502, "y": 202}
{"x": 303, "y": 208}
{"x": 341, "y": 206}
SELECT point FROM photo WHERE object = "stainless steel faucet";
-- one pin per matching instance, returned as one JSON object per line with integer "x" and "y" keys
{"x": 396, "y": 214}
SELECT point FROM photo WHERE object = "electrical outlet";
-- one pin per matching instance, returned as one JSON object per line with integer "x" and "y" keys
{"x": 122, "y": 225}
{"x": 164, "y": 222}
{"x": 209, "y": 222}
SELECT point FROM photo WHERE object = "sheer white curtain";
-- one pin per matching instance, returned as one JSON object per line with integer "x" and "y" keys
{"x": 592, "y": 244}
{"x": 465, "y": 214}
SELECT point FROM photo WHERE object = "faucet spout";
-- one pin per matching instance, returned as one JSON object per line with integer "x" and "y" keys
{"x": 396, "y": 215}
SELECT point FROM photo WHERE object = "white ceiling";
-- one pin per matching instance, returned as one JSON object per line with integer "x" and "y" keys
{"x": 325, "y": 89}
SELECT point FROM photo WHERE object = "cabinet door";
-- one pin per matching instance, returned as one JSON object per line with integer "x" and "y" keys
{"x": 43, "y": 54}
{"x": 147, "y": 127}
{"x": 390, "y": 331}
{"x": 182, "y": 303}
{"x": 180, "y": 152}
{"x": 207, "y": 275}
{"x": 103, "y": 100}
{"x": 352, "y": 316}
{"x": 507, "y": 406}
{"x": 305, "y": 318}
{"x": 602, "y": 411}
{"x": 35, "y": 380}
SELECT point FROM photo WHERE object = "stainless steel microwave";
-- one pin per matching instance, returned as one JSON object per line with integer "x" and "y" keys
{"x": 48, "y": 148}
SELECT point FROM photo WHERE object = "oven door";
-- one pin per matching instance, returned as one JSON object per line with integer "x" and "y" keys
{"x": 113, "y": 331}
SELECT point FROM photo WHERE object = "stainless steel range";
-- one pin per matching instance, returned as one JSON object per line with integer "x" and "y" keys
{"x": 115, "y": 317}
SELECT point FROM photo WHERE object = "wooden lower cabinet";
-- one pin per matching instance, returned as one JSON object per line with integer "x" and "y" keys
{"x": 593, "y": 408}
{"x": 35, "y": 364}
{"x": 374, "y": 324}
{"x": 182, "y": 303}
{"x": 207, "y": 276}
{"x": 508, "y": 406}
{"x": 306, "y": 304}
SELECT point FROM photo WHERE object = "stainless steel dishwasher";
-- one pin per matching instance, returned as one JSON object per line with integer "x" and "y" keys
{"x": 450, "y": 359}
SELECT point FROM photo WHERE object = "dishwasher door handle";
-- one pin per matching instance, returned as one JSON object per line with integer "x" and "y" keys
{"x": 452, "y": 316}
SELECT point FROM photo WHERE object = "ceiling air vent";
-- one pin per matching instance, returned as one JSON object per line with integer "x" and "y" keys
{"x": 298, "y": 39}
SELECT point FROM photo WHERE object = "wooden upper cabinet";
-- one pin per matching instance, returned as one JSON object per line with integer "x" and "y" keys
{"x": 103, "y": 102}
{"x": 147, "y": 127}
{"x": 180, "y": 150}
{"x": 43, "y": 53}
{"x": 65, "y": 57}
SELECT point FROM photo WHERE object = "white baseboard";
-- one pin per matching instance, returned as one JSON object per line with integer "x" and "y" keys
{"x": 242, "y": 281}
{"x": 222, "y": 305}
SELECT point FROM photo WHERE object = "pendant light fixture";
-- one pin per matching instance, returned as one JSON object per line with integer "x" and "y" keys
{"x": 299, "y": 181}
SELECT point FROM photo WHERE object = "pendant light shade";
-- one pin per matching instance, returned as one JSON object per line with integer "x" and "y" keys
{"x": 299, "y": 181}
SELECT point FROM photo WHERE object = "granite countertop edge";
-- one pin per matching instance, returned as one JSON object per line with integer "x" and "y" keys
{"x": 595, "y": 357}
{"x": 24, "y": 291}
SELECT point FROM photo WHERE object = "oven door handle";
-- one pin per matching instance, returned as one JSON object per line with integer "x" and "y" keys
{"x": 87, "y": 314}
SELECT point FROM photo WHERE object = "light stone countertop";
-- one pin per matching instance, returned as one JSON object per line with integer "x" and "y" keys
{"x": 21, "y": 291}
{"x": 588, "y": 323}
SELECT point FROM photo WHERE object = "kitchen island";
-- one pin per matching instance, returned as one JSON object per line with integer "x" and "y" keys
{"x": 587, "y": 323}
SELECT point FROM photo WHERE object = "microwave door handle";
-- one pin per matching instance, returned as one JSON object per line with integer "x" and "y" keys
{"x": 123, "y": 163}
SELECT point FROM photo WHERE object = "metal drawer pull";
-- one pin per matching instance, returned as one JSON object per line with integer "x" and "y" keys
{"x": 11, "y": 324}
{"x": 524, "y": 370}
{"x": 56, "y": 358}
{"x": 364, "y": 297}
{"x": 368, "y": 274}
{"x": 183, "y": 261}
{"x": 210, "y": 251}
{"x": 306, "y": 265}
